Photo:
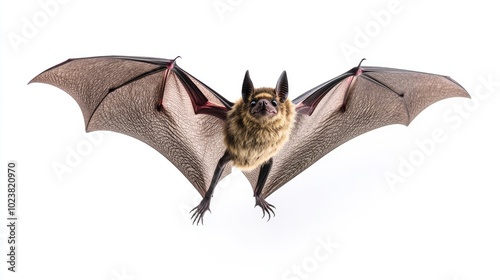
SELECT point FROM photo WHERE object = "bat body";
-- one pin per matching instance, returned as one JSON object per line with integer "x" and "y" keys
{"x": 270, "y": 137}
{"x": 257, "y": 129}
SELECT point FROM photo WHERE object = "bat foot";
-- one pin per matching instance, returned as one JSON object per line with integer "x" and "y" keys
{"x": 267, "y": 208}
{"x": 200, "y": 210}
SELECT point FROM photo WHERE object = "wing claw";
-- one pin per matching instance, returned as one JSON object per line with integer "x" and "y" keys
{"x": 136, "y": 96}
{"x": 360, "y": 100}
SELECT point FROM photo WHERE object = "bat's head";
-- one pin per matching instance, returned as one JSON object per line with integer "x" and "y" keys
{"x": 259, "y": 123}
{"x": 265, "y": 103}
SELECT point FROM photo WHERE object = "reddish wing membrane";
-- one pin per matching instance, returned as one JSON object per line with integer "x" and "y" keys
{"x": 358, "y": 101}
{"x": 153, "y": 100}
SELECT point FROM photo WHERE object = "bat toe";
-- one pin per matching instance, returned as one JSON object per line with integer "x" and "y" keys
{"x": 266, "y": 207}
{"x": 199, "y": 211}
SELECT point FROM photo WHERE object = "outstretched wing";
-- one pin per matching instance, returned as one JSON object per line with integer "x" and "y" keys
{"x": 360, "y": 100}
{"x": 153, "y": 100}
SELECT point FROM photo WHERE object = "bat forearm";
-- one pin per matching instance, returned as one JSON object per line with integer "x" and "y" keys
{"x": 263, "y": 124}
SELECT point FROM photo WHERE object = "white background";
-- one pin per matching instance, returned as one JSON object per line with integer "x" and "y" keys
{"x": 120, "y": 211}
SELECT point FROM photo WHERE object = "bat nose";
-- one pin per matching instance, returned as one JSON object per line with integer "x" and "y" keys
{"x": 263, "y": 103}
{"x": 263, "y": 107}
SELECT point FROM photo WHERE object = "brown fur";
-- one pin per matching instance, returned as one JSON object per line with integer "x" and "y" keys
{"x": 251, "y": 141}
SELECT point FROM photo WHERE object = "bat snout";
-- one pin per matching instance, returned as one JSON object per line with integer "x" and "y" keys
{"x": 263, "y": 108}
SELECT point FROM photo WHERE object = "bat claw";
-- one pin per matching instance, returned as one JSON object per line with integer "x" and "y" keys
{"x": 199, "y": 211}
{"x": 266, "y": 207}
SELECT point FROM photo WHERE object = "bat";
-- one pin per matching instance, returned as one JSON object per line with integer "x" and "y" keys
{"x": 267, "y": 135}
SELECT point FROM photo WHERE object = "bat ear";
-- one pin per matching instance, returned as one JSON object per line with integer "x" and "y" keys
{"x": 247, "y": 88}
{"x": 282, "y": 87}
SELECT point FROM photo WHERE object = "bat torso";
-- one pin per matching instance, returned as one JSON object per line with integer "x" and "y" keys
{"x": 126, "y": 95}
{"x": 252, "y": 142}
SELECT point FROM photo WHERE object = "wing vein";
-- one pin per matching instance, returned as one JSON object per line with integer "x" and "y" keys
{"x": 379, "y": 83}
{"x": 137, "y": 78}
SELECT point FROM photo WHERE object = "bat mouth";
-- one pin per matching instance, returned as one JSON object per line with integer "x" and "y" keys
{"x": 263, "y": 112}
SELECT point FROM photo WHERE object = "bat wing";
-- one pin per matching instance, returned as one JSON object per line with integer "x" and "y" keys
{"x": 360, "y": 100}
{"x": 152, "y": 100}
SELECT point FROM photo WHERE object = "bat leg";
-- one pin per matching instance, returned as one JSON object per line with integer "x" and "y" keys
{"x": 259, "y": 200}
{"x": 204, "y": 205}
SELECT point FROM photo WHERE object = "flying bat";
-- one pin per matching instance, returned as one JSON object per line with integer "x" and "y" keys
{"x": 267, "y": 135}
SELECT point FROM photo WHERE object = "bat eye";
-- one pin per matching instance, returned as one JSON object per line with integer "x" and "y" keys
{"x": 253, "y": 103}
{"x": 274, "y": 102}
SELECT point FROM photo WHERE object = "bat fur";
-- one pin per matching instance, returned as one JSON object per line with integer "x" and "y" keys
{"x": 252, "y": 141}
{"x": 267, "y": 135}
